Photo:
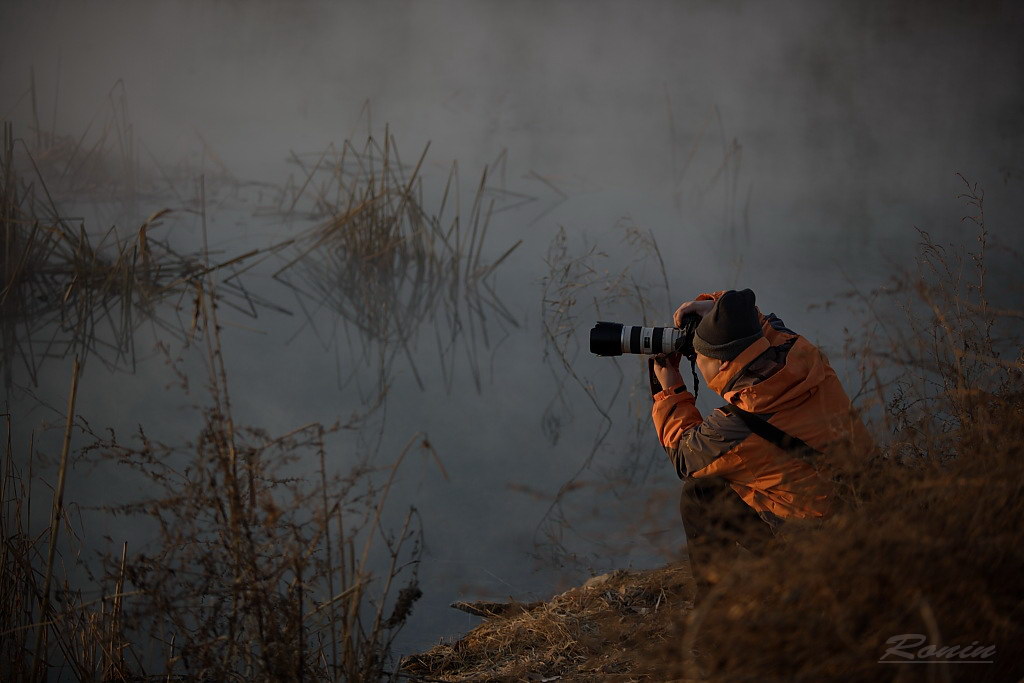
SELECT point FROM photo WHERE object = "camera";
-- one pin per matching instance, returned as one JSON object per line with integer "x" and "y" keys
{"x": 615, "y": 339}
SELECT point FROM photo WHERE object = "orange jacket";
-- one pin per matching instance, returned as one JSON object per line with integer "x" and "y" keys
{"x": 786, "y": 380}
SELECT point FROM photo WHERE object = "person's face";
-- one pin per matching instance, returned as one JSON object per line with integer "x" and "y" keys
{"x": 709, "y": 367}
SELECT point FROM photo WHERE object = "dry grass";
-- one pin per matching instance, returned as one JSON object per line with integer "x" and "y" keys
{"x": 583, "y": 634}
{"x": 395, "y": 263}
{"x": 104, "y": 164}
{"x": 67, "y": 291}
{"x": 255, "y": 569}
{"x": 100, "y": 164}
{"x": 578, "y": 289}
{"x": 926, "y": 540}
{"x": 391, "y": 262}
{"x": 935, "y": 551}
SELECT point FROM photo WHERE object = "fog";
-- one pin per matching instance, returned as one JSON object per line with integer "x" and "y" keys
{"x": 790, "y": 147}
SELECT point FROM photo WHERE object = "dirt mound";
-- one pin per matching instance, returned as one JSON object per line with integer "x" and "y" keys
{"x": 582, "y": 634}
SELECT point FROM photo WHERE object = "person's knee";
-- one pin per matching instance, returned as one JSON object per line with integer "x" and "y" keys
{"x": 696, "y": 503}
{"x": 704, "y": 489}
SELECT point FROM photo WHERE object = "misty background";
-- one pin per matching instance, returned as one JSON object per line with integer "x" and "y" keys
{"x": 790, "y": 147}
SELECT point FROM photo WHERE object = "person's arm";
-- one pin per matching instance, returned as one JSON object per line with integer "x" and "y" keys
{"x": 701, "y": 306}
{"x": 674, "y": 411}
{"x": 693, "y": 442}
{"x": 674, "y": 407}
{"x": 665, "y": 368}
{"x": 703, "y": 303}
{"x": 690, "y": 441}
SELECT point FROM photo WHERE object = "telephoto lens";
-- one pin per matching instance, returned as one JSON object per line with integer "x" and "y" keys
{"x": 615, "y": 339}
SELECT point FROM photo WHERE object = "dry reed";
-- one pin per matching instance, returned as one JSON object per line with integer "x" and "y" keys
{"x": 66, "y": 291}
{"x": 577, "y": 290}
{"x": 254, "y": 569}
{"x": 391, "y": 262}
{"x": 925, "y": 539}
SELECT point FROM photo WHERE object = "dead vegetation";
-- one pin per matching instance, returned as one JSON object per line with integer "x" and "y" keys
{"x": 256, "y": 568}
{"x": 586, "y": 633}
{"x": 578, "y": 289}
{"x": 67, "y": 291}
{"x": 394, "y": 264}
{"x": 102, "y": 163}
{"x": 261, "y": 572}
{"x": 107, "y": 163}
{"x": 926, "y": 539}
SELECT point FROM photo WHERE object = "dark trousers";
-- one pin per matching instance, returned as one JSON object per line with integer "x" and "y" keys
{"x": 716, "y": 520}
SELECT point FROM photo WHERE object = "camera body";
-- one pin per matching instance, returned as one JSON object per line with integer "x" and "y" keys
{"x": 615, "y": 339}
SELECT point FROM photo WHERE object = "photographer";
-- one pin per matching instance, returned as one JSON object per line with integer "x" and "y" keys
{"x": 756, "y": 462}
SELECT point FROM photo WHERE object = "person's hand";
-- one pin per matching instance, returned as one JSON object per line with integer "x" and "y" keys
{"x": 701, "y": 308}
{"x": 666, "y": 369}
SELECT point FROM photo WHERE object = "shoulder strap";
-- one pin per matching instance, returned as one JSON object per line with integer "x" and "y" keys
{"x": 771, "y": 433}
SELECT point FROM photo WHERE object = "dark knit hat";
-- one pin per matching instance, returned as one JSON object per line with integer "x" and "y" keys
{"x": 729, "y": 327}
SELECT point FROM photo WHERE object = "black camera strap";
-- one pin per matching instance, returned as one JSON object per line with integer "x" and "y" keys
{"x": 772, "y": 434}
